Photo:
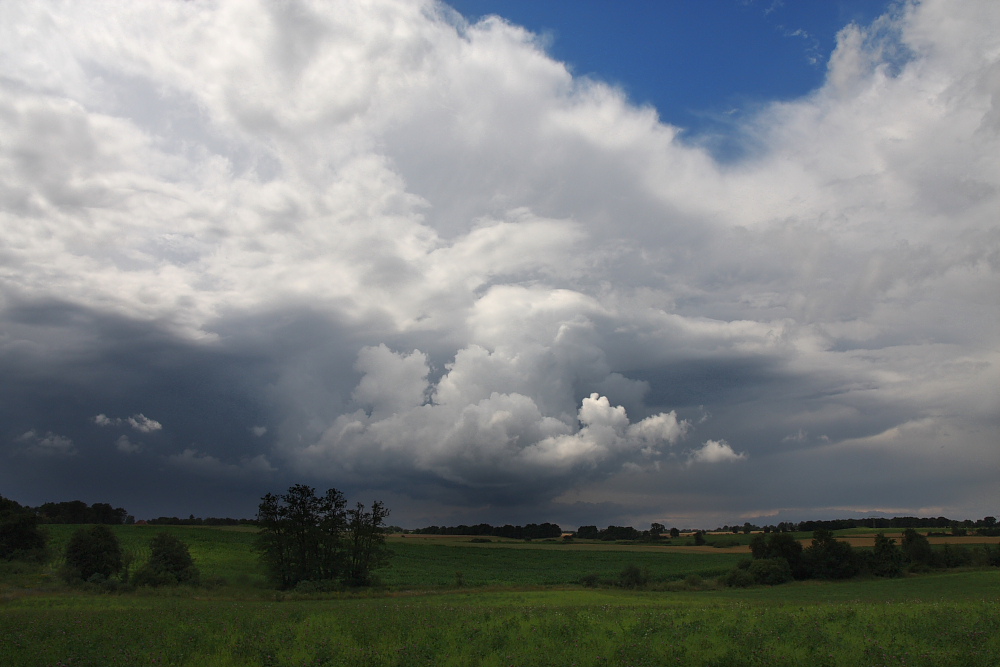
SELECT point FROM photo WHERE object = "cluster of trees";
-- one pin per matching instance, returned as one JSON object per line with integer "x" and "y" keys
{"x": 779, "y": 557}
{"x": 315, "y": 542}
{"x": 532, "y": 531}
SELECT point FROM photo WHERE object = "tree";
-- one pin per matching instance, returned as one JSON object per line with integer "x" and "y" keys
{"x": 170, "y": 563}
{"x": 20, "y": 536}
{"x": 828, "y": 558}
{"x": 366, "y": 533}
{"x": 655, "y": 530}
{"x": 300, "y": 535}
{"x": 304, "y": 537}
{"x": 93, "y": 554}
{"x": 885, "y": 560}
{"x": 916, "y": 548}
{"x": 674, "y": 533}
{"x": 779, "y": 545}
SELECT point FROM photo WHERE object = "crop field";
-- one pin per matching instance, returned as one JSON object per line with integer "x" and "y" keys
{"x": 514, "y": 603}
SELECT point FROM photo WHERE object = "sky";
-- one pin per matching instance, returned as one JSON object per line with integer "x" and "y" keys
{"x": 586, "y": 263}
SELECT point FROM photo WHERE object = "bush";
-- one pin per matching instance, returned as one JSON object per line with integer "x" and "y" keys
{"x": 591, "y": 580}
{"x": 738, "y": 578}
{"x": 170, "y": 564}
{"x": 93, "y": 551}
{"x": 634, "y": 576}
{"x": 770, "y": 571}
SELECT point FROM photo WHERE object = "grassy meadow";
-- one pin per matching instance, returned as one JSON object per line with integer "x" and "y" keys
{"x": 513, "y": 603}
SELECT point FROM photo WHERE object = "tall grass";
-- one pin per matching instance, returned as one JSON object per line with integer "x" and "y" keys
{"x": 527, "y": 628}
{"x": 423, "y": 618}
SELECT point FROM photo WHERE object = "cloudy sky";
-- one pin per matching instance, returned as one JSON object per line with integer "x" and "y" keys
{"x": 695, "y": 264}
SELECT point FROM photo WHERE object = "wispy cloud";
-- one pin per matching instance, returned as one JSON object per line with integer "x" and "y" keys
{"x": 126, "y": 446}
{"x": 206, "y": 465}
{"x": 45, "y": 444}
{"x": 139, "y": 422}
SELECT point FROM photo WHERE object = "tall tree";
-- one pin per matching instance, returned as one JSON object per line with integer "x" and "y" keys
{"x": 366, "y": 532}
{"x": 300, "y": 535}
{"x": 885, "y": 559}
{"x": 917, "y": 548}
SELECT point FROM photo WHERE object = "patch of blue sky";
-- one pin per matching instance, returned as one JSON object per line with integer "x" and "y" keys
{"x": 705, "y": 66}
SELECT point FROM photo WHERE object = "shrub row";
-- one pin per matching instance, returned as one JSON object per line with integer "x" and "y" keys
{"x": 779, "y": 558}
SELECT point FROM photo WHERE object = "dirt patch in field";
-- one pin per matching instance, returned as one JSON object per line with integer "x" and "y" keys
{"x": 706, "y": 549}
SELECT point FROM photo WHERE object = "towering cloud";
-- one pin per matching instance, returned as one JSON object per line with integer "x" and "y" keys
{"x": 371, "y": 245}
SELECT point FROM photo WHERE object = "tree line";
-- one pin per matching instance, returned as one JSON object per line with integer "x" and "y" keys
{"x": 985, "y": 526}
{"x": 77, "y": 511}
{"x": 613, "y": 533}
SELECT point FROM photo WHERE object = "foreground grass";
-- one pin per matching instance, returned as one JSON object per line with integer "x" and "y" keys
{"x": 518, "y": 606}
{"x": 555, "y": 627}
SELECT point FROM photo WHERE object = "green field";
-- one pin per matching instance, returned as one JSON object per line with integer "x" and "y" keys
{"x": 520, "y": 605}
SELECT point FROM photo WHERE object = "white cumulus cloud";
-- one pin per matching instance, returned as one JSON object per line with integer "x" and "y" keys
{"x": 715, "y": 451}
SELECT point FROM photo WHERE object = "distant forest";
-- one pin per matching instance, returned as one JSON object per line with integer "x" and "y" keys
{"x": 79, "y": 512}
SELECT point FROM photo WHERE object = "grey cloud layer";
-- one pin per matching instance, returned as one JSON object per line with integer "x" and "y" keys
{"x": 372, "y": 245}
